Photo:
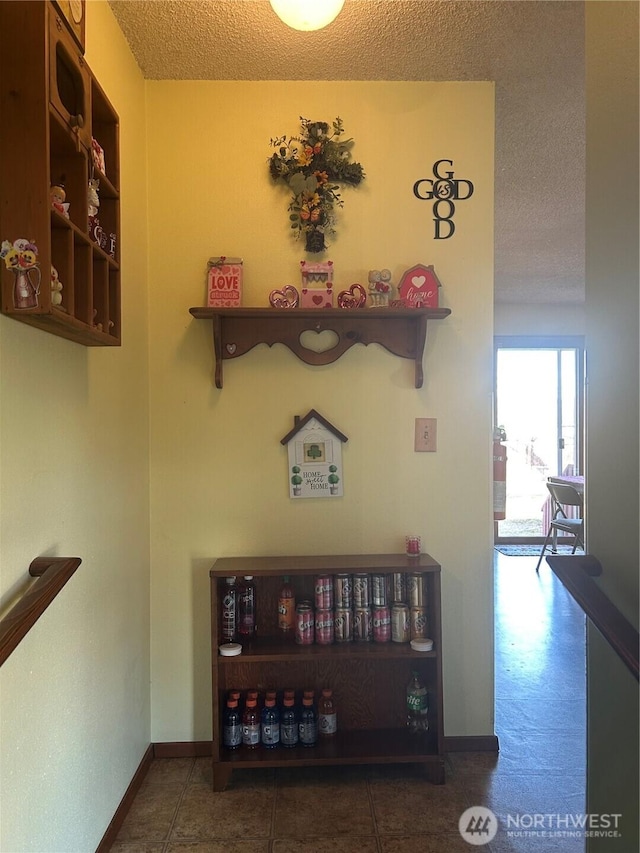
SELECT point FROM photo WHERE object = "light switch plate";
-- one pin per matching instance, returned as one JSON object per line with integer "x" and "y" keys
{"x": 426, "y": 435}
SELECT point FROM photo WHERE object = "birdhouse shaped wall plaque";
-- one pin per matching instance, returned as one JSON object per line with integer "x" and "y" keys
{"x": 314, "y": 449}
{"x": 317, "y": 285}
{"x": 418, "y": 287}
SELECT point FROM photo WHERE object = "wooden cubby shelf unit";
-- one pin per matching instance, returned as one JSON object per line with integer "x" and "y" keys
{"x": 369, "y": 679}
{"x": 51, "y": 108}
{"x": 402, "y": 331}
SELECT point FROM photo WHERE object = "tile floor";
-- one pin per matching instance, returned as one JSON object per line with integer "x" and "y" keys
{"x": 540, "y": 720}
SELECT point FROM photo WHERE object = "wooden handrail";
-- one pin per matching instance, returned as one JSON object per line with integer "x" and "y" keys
{"x": 576, "y": 573}
{"x": 52, "y": 573}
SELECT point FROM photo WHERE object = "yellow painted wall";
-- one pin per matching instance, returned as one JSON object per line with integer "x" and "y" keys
{"x": 218, "y": 471}
{"x": 613, "y": 423}
{"x": 74, "y": 696}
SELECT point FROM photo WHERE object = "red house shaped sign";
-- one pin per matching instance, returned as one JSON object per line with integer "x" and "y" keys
{"x": 418, "y": 287}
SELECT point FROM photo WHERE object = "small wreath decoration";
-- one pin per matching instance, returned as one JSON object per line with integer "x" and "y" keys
{"x": 313, "y": 165}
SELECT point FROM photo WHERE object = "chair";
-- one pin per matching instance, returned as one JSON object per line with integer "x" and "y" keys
{"x": 563, "y": 495}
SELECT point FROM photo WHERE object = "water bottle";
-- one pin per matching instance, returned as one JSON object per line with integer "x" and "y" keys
{"x": 247, "y": 609}
{"x": 288, "y": 723}
{"x": 270, "y": 724}
{"x": 308, "y": 725}
{"x": 417, "y": 705}
{"x": 232, "y": 725}
{"x": 327, "y": 714}
{"x": 251, "y": 725}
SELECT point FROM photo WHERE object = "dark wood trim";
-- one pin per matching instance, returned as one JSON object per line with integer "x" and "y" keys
{"x": 576, "y": 572}
{"x": 126, "y": 802}
{"x": 401, "y": 331}
{"x": 471, "y": 743}
{"x": 204, "y": 748}
{"x": 183, "y": 749}
{"x": 52, "y": 573}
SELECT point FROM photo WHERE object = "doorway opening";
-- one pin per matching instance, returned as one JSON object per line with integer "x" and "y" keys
{"x": 539, "y": 403}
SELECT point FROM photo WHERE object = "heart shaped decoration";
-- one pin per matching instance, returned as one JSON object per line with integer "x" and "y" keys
{"x": 355, "y": 297}
{"x": 317, "y": 299}
{"x": 418, "y": 280}
{"x": 231, "y": 348}
{"x": 286, "y": 298}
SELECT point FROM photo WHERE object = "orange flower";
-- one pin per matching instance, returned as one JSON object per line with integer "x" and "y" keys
{"x": 321, "y": 177}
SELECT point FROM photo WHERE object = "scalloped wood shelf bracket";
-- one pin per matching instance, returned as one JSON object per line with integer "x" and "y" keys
{"x": 401, "y": 331}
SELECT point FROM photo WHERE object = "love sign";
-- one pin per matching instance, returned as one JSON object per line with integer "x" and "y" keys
{"x": 418, "y": 287}
{"x": 224, "y": 282}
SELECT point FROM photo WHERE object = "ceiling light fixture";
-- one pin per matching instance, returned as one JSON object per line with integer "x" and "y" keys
{"x": 307, "y": 14}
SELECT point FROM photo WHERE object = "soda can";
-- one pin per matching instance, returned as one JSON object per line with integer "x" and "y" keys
{"x": 415, "y": 589}
{"x": 361, "y": 590}
{"x": 362, "y": 624}
{"x": 324, "y": 592}
{"x": 398, "y": 586}
{"x": 418, "y": 622}
{"x": 342, "y": 627}
{"x": 379, "y": 590}
{"x": 304, "y": 624}
{"x": 324, "y": 627}
{"x": 343, "y": 592}
{"x": 400, "y": 628}
{"x": 381, "y": 624}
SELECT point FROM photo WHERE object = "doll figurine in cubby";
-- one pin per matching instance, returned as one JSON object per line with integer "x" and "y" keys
{"x": 56, "y": 287}
{"x": 93, "y": 203}
{"x": 58, "y": 195}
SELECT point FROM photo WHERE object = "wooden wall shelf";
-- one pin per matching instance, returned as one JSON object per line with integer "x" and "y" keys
{"x": 402, "y": 331}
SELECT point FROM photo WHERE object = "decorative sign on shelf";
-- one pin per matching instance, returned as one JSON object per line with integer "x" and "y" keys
{"x": 443, "y": 189}
{"x": 317, "y": 285}
{"x": 419, "y": 287}
{"x": 314, "y": 457}
{"x": 224, "y": 282}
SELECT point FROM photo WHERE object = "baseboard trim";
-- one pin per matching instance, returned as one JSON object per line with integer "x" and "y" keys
{"x": 113, "y": 829}
{"x": 183, "y": 749}
{"x": 471, "y": 743}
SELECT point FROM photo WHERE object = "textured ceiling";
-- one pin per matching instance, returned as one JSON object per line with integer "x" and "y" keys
{"x": 534, "y": 51}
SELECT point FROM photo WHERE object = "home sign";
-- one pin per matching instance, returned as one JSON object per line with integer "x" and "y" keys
{"x": 314, "y": 455}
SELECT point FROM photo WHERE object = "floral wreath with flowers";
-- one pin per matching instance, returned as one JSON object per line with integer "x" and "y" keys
{"x": 311, "y": 165}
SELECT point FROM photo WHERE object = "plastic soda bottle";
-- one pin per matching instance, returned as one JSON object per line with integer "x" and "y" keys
{"x": 247, "y": 608}
{"x": 286, "y": 608}
{"x": 288, "y": 722}
{"x": 251, "y": 725}
{"x": 308, "y": 725}
{"x": 417, "y": 705}
{"x": 327, "y": 714}
{"x": 232, "y": 725}
{"x": 270, "y": 724}
{"x": 229, "y": 611}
